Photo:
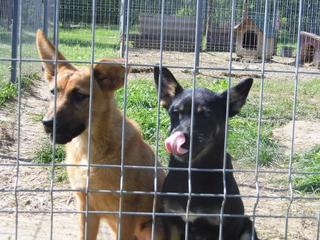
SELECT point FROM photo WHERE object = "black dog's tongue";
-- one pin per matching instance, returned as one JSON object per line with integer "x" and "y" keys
{"x": 174, "y": 143}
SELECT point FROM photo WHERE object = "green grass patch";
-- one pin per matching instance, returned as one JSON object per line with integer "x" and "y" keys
{"x": 45, "y": 155}
{"x": 290, "y": 45}
{"x": 60, "y": 174}
{"x": 36, "y": 117}
{"x": 309, "y": 163}
{"x": 142, "y": 107}
{"x": 75, "y": 44}
{"x": 9, "y": 90}
{"x": 278, "y": 101}
{"x": 242, "y": 142}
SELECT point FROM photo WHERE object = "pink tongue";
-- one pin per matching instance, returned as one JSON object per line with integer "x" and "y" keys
{"x": 174, "y": 144}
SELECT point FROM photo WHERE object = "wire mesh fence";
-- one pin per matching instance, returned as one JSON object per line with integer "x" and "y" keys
{"x": 212, "y": 44}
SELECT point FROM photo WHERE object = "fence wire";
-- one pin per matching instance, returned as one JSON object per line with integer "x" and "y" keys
{"x": 209, "y": 43}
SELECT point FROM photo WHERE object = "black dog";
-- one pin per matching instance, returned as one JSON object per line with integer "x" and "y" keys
{"x": 207, "y": 153}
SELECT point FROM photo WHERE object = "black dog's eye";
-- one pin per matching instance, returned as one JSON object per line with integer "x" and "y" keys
{"x": 78, "y": 96}
{"x": 199, "y": 113}
{"x": 175, "y": 112}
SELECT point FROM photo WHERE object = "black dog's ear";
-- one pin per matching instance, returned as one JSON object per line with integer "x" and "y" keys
{"x": 238, "y": 96}
{"x": 169, "y": 86}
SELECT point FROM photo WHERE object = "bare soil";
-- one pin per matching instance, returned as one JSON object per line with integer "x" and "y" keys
{"x": 274, "y": 200}
{"x": 306, "y": 136}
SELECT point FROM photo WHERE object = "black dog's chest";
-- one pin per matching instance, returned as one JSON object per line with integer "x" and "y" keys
{"x": 196, "y": 211}
{"x": 199, "y": 205}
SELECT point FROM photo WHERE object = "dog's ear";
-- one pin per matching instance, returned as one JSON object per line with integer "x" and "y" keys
{"x": 46, "y": 51}
{"x": 238, "y": 96}
{"x": 109, "y": 75}
{"x": 169, "y": 86}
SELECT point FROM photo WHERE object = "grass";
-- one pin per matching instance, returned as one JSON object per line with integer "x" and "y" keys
{"x": 44, "y": 154}
{"x": 75, "y": 44}
{"x": 28, "y": 51}
{"x": 291, "y": 45}
{"x": 310, "y": 163}
{"x": 9, "y": 90}
{"x": 142, "y": 107}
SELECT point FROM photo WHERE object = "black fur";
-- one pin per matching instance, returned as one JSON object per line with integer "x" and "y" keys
{"x": 207, "y": 153}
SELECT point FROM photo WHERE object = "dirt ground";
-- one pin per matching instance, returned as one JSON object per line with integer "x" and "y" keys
{"x": 274, "y": 196}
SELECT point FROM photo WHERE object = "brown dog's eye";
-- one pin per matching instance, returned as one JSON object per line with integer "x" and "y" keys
{"x": 78, "y": 96}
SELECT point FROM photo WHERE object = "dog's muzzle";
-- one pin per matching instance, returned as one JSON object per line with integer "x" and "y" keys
{"x": 63, "y": 134}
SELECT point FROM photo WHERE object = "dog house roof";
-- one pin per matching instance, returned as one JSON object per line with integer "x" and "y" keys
{"x": 258, "y": 21}
{"x": 311, "y": 35}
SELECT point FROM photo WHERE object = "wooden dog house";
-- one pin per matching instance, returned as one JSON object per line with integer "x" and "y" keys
{"x": 178, "y": 33}
{"x": 310, "y": 49}
{"x": 249, "y": 38}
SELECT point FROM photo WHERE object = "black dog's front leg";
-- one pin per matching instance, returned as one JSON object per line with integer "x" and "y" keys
{"x": 173, "y": 228}
{"x": 247, "y": 231}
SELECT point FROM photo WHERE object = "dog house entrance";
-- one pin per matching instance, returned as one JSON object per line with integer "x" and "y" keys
{"x": 250, "y": 40}
{"x": 310, "y": 51}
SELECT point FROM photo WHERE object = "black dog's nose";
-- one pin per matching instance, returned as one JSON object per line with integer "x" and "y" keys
{"x": 48, "y": 123}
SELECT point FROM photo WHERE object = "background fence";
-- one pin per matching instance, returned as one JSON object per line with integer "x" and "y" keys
{"x": 274, "y": 141}
{"x": 144, "y": 22}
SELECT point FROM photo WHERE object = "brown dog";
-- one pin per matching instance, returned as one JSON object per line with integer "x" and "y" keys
{"x": 72, "y": 113}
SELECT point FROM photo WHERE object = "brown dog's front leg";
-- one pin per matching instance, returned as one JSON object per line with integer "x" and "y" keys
{"x": 93, "y": 220}
{"x": 127, "y": 227}
{"x": 143, "y": 229}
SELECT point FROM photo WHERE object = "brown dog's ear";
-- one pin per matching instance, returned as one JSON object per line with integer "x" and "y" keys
{"x": 169, "y": 86}
{"x": 109, "y": 74}
{"x": 46, "y": 51}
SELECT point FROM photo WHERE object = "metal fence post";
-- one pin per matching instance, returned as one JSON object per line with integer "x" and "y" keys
{"x": 199, "y": 26}
{"x": 14, "y": 40}
{"x": 123, "y": 20}
{"x": 45, "y": 16}
{"x": 55, "y": 22}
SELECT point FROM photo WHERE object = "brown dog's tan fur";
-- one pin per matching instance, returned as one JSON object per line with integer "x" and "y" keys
{"x": 106, "y": 145}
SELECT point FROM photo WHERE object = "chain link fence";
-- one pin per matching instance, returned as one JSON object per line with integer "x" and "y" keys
{"x": 212, "y": 44}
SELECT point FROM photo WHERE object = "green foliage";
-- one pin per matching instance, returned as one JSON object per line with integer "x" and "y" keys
{"x": 5, "y": 35}
{"x": 27, "y": 79}
{"x": 243, "y": 137}
{"x": 7, "y": 91}
{"x": 10, "y": 90}
{"x": 60, "y": 174}
{"x": 187, "y": 11}
{"x": 75, "y": 44}
{"x": 308, "y": 163}
{"x": 107, "y": 12}
{"x": 45, "y": 153}
{"x": 142, "y": 107}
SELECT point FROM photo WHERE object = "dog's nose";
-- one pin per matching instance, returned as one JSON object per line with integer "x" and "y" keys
{"x": 48, "y": 123}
